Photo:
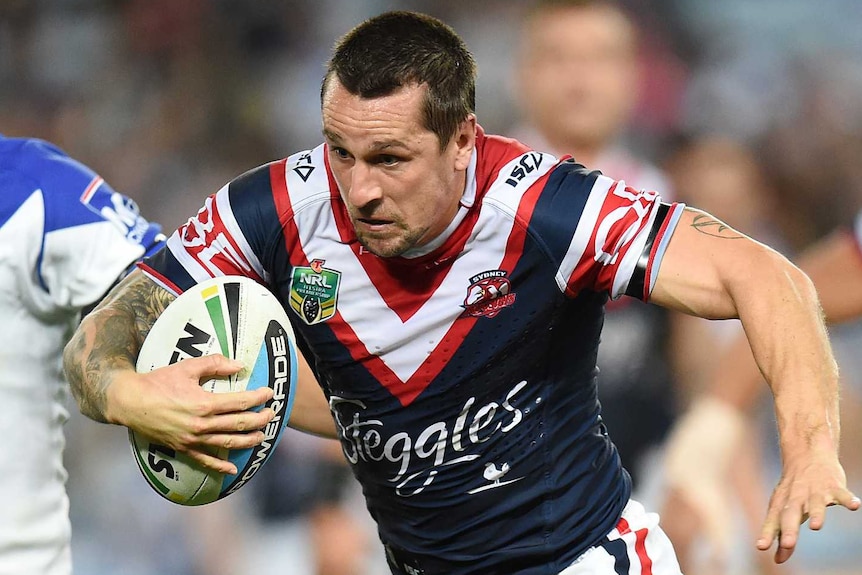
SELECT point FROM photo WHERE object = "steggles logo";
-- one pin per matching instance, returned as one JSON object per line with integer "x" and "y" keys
{"x": 419, "y": 458}
{"x": 488, "y": 294}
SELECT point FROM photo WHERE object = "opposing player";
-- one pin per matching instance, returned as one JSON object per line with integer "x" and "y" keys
{"x": 65, "y": 238}
{"x": 702, "y": 445}
{"x": 474, "y": 426}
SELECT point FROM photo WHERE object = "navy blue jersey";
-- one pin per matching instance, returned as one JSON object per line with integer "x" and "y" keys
{"x": 462, "y": 381}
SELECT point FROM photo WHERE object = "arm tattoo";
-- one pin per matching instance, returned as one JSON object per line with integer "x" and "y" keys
{"x": 109, "y": 339}
{"x": 712, "y": 227}
{"x": 144, "y": 301}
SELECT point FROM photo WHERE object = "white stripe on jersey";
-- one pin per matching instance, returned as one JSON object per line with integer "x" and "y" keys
{"x": 383, "y": 332}
{"x": 672, "y": 220}
{"x": 190, "y": 264}
{"x": 508, "y": 197}
{"x": 168, "y": 287}
{"x": 584, "y": 231}
{"x": 306, "y": 178}
{"x": 91, "y": 189}
{"x": 200, "y": 266}
{"x": 375, "y": 324}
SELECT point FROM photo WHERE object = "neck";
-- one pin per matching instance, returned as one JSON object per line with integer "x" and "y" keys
{"x": 453, "y": 217}
{"x": 584, "y": 153}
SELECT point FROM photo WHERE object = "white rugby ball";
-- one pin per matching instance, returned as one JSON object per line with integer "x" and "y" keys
{"x": 236, "y": 317}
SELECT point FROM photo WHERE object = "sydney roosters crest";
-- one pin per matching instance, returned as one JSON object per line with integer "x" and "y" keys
{"x": 489, "y": 292}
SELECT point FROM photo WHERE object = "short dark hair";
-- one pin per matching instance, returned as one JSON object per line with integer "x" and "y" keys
{"x": 401, "y": 48}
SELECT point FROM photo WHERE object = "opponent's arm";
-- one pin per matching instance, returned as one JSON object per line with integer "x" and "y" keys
{"x": 168, "y": 405}
{"x": 835, "y": 266}
{"x": 712, "y": 271}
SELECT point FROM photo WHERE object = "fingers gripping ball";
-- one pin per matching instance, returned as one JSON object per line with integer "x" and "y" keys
{"x": 238, "y": 318}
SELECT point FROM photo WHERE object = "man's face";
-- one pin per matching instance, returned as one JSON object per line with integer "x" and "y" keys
{"x": 578, "y": 74}
{"x": 401, "y": 191}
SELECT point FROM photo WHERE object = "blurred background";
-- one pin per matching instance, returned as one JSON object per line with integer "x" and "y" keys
{"x": 751, "y": 109}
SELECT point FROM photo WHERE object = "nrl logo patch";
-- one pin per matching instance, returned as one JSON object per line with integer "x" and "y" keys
{"x": 314, "y": 292}
{"x": 489, "y": 292}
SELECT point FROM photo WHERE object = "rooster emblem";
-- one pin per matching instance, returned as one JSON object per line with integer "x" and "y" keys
{"x": 489, "y": 292}
{"x": 493, "y": 474}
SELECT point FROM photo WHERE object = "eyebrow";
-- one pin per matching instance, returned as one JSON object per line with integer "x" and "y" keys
{"x": 377, "y": 146}
{"x": 331, "y": 136}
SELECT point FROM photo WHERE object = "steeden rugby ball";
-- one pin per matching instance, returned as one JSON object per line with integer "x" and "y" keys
{"x": 239, "y": 318}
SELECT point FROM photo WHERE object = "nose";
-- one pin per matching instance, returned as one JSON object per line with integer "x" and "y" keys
{"x": 364, "y": 189}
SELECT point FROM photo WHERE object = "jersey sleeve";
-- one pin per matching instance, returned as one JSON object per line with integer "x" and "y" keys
{"x": 620, "y": 235}
{"x": 232, "y": 234}
{"x": 91, "y": 235}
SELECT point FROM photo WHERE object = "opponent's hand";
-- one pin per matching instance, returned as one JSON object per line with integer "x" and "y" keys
{"x": 808, "y": 485}
{"x": 686, "y": 525}
{"x": 698, "y": 456}
{"x": 169, "y": 406}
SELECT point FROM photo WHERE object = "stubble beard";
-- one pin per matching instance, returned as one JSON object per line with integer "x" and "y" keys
{"x": 390, "y": 246}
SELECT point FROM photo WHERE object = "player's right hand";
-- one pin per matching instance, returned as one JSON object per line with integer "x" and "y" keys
{"x": 169, "y": 406}
{"x": 810, "y": 482}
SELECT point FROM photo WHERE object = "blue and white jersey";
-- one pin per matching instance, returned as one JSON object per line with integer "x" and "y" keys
{"x": 65, "y": 238}
{"x": 462, "y": 381}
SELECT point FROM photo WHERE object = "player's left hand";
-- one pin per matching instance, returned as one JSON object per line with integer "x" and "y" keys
{"x": 809, "y": 484}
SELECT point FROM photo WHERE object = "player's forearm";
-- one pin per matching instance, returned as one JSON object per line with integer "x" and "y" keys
{"x": 736, "y": 380}
{"x": 99, "y": 348}
{"x": 835, "y": 266}
{"x": 713, "y": 271}
{"x": 108, "y": 341}
{"x": 788, "y": 338}
{"x": 315, "y": 421}
{"x": 311, "y": 412}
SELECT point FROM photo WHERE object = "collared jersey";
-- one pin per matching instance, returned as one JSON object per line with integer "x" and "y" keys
{"x": 65, "y": 238}
{"x": 462, "y": 381}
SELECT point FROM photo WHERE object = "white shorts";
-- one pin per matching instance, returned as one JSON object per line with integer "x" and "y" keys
{"x": 636, "y": 546}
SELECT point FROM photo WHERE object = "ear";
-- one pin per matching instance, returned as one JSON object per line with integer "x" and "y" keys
{"x": 464, "y": 142}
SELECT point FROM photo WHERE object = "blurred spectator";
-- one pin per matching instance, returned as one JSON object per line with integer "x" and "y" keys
{"x": 578, "y": 76}
{"x": 812, "y": 151}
